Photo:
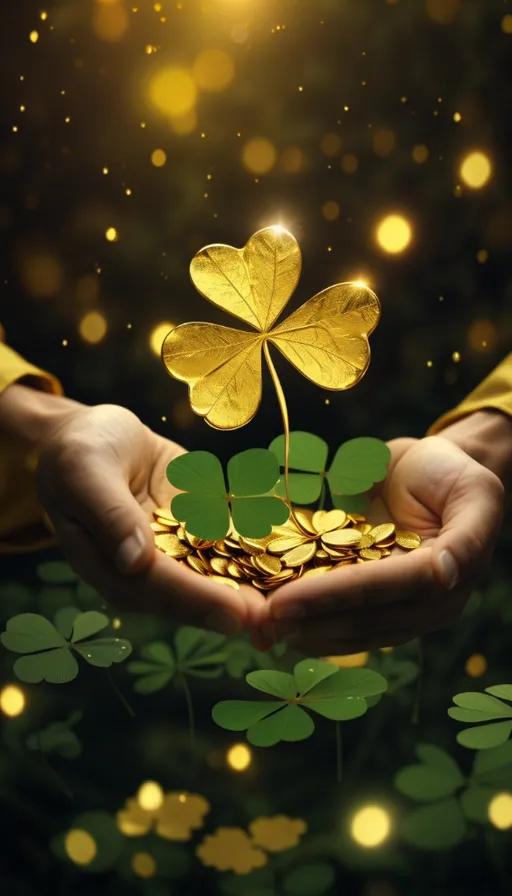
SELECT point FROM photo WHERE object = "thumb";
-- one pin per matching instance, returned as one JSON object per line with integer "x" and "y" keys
{"x": 94, "y": 493}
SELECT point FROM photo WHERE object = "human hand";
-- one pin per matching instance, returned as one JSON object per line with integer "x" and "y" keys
{"x": 434, "y": 488}
{"x": 101, "y": 474}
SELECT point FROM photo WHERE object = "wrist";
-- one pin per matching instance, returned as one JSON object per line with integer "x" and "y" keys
{"x": 31, "y": 416}
{"x": 486, "y": 436}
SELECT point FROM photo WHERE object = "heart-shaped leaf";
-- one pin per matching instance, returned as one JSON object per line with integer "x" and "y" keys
{"x": 441, "y": 826}
{"x": 29, "y": 633}
{"x": 54, "y": 666}
{"x": 290, "y": 724}
{"x": 485, "y": 736}
{"x": 88, "y": 624}
{"x": 238, "y": 715}
{"x": 278, "y": 684}
{"x": 358, "y": 465}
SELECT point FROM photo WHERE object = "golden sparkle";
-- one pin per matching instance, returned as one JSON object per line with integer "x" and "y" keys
{"x": 239, "y": 757}
{"x": 371, "y": 826}
{"x": 394, "y": 234}
{"x": 476, "y": 170}
{"x": 12, "y": 701}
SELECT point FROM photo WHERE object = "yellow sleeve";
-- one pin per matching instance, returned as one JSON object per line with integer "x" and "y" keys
{"x": 494, "y": 392}
{"x": 22, "y": 523}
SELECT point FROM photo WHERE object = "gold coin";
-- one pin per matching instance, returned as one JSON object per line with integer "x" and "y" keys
{"x": 219, "y": 565}
{"x": 356, "y": 517}
{"x": 366, "y": 541}
{"x": 360, "y": 560}
{"x": 252, "y": 546}
{"x": 321, "y": 555}
{"x": 344, "y": 563}
{"x": 261, "y": 585}
{"x": 196, "y": 564}
{"x": 408, "y": 540}
{"x": 221, "y": 550}
{"x": 341, "y": 537}
{"x": 232, "y": 544}
{"x": 385, "y": 553}
{"x": 222, "y": 580}
{"x": 234, "y": 570}
{"x": 268, "y": 564}
{"x": 305, "y": 519}
{"x": 281, "y": 545}
{"x": 316, "y": 571}
{"x": 365, "y": 528}
{"x": 299, "y": 555}
{"x": 326, "y": 521}
{"x": 164, "y": 515}
{"x": 159, "y": 527}
{"x": 383, "y": 532}
{"x": 387, "y": 543}
{"x": 171, "y": 545}
{"x": 370, "y": 554}
{"x": 180, "y": 532}
{"x": 196, "y": 542}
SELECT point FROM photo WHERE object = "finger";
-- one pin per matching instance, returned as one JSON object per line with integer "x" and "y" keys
{"x": 167, "y": 588}
{"x": 93, "y": 491}
{"x": 395, "y": 579}
{"x": 471, "y": 521}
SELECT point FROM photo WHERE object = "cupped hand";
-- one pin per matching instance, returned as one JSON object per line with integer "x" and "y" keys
{"x": 100, "y": 476}
{"x": 435, "y": 489}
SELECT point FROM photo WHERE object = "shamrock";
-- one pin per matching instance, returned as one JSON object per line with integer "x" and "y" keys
{"x": 58, "y": 737}
{"x": 197, "y": 652}
{"x": 315, "y": 685}
{"x": 204, "y": 504}
{"x": 474, "y": 707}
{"x": 326, "y": 339}
{"x": 49, "y": 649}
{"x": 358, "y": 464}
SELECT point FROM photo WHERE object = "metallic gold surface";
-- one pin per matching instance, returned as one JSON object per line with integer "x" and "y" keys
{"x": 408, "y": 540}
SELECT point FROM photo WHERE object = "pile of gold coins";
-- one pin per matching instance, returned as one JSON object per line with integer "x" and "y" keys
{"x": 309, "y": 544}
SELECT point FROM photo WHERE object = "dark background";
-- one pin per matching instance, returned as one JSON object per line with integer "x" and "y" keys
{"x": 406, "y": 67}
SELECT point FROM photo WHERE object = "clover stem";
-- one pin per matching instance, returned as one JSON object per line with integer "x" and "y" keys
{"x": 322, "y": 495}
{"x": 339, "y": 754}
{"x": 49, "y": 767}
{"x": 190, "y": 710}
{"x": 286, "y": 427}
{"x": 118, "y": 693}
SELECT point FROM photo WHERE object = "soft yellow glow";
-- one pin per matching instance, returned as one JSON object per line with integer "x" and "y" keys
{"x": 12, "y": 700}
{"x": 173, "y": 91}
{"x": 371, "y": 826}
{"x": 184, "y": 124}
{"x": 41, "y": 273}
{"x": 93, "y": 327}
{"x": 420, "y": 153}
{"x": 331, "y": 144}
{"x": 259, "y": 155}
{"x": 457, "y": 117}
{"x": 143, "y": 865}
{"x": 476, "y": 170}
{"x": 476, "y": 665}
{"x": 150, "y": 796}
{"x": 110, "y": 21}
{"x": 481, "y": 335}
{"x": 80, "y": 846}
{"x": 349, "y": 163}
{"x": 482, "y": 256}
{"x": 112, "y": 235}
{"x": 158, "y": 158}
{"x": 43, "y": 16}
{"x": 239, "y": 757}
{"x": 500, "y": 811}
{"x": 394, "y": 234}
{"x": 292, "y": 160}
{"x": 384, "y": 142}
{"x": 157, "y": 336}
{"x": 456, "y": 359}
{"x": 33, "y": 37}
{"x": 330, "y": 210}
{"x": 352, "y": 660}
{"x": 213, "y": 70}
{"x": 443, "y": 11}
{"x": 506, "y": 24}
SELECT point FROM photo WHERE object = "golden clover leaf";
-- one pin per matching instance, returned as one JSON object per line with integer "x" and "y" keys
{"x": 326, "y": 339}
{"x": 179, "y": 815}
{"x": 231, "y": 849}
{"x": 278, "y": 833}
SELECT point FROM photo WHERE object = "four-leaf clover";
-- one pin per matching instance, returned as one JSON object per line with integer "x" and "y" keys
{"x": 326, "y": 339}
{"x": 475, "y": 707}
{"x": 197, "y": 653}
{"x": 49, "y": 650}
{"x": 205, "y": 503}
{"x": 314, "y": 685}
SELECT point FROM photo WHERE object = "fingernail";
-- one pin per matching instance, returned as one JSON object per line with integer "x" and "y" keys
{"x": 130, "y": 550}
{"x": 290, "y": 611}
{"x": 449, "y": 569}
{"x": 223, "y": 622}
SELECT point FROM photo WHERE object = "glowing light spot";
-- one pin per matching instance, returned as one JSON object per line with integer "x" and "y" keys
{"x": 184, "y": 124}
{"x": 157, "y": 336}
{"x": 330, "y": 210}
{"x": 111, "y": 235}
{"x": 110, "y": 21}
{"x": 292, "y": 160}
{"x": 143, "y": 865}
{"x": 457, "y": 117}
{"x": 394, "y": 234}
{"x": 481, "y": 335}
{"x": 239, "y": 757}
{"x": 213, "y": 70}
{"x": 430, "y": 363}
{"x": 456, "y": 357}
{"x": 158, "y": 158}
{"x": 105, "y": 170}
{"x": 506, "y": 24}
{"x": 420, "y": 154}
{"x": 476, "y": 665}
{"x": 173, "y": 91}
{"x": 351, "y": 661}
{"x": 12, "y": 701}
{"x": 482, "y": 256}
{"x": 330, "y": 144}
{"x": 41, "y": 274}
{"x": 80, "y": 846}
{"x": 116, "y": 623}
{"x": 33, "y": 37}
{"x": 150, "y": 796}
{"x": 43, "y": 16}
{"x": 93, "y": 327}
{"x": 384, "y": 142}
{"x": 371, "y": 826}
{"x": 259, "y": 155}
{"x": 476, "y": 170}
{"x": 443, "y": 11}
{"x": 500, "y": 811}
{"x": 349, "y": 163}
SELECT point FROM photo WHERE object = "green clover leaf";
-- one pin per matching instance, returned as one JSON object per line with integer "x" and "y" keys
{"x": 58, "y": 737}
{"x": 197, "y": 653}
{"x": 437, "y": 777}
{"x": 358, "y": 464}
{"x": 206, "y": 507}
{"x": 438, "y": 826}
{"x": 337, "y": 694}
{"x": 476, "y": 707}
{"x": 48, "y": 650}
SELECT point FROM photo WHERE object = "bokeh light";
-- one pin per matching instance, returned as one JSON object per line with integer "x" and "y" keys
{"x": 12, "y": 700}
{"x": 443, "y": 11}
{"x": 41, "y": 273}
{"x": 111, "y": 235}
{"x": 394, "y": 234}
{"x": 420, "y": 153}
{"x": 384, "y": 142}
{"x": 158, "y": 158}
{"x": 110, "y": 21}
{"x": 349, "y": 163}
{"x": 213, "y": 70}
{"x": 80, "y": 846}
{"x": 93, "y": 327}
{"x": 476, "y": 665}
{"x": 506, "y": 24}
{"x": 481, "y": 335}
{"x": 476, "y": 170}
{"x": 150, "y": 796}
{"x": 157, "y": 336}
{"x": 370, "y": 826}
{"x": 500, "y": 811}
{"x": 143, "y": 865}
{"x": 259, "y": 155}
{"x": 330, "y": 210}
{"x": 292, "y": 160}
{"x": 350, "y": 661}
{"x": 173, "y": 91}
{"x": 239, "y": 757}
{"x": 33, "y": 37}
{"x": 331, "y": 144}
{"x": 184, "y": 124}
